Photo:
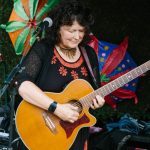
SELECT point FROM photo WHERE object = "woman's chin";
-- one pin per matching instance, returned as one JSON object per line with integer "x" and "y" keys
{"x": 74, "y": 45}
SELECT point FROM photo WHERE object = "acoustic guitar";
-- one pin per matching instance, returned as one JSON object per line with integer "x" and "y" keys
{"x": 40, "y": 130}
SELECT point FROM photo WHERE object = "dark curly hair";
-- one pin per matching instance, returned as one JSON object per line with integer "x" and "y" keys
{"x": 66, "y": 13}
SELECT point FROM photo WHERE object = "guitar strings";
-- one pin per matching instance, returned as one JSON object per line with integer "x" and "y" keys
{"x": 80, "y": 106}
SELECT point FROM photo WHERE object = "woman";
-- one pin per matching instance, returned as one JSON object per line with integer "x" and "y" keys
{"x": 56, "y": 61}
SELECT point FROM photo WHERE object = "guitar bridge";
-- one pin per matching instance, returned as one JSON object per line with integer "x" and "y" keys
{"x": 49, "y": 123}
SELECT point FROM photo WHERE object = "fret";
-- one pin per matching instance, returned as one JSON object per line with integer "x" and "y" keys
{"x": 144, "y": 67}
{"x": 103, "y": 90}
{"x": 125, "y": 78}
{"x": 93, "y": 95}
{"x": 90, "y": 96}
{"x": 118, "y": 83}
{"x": 102, "y": 94}
{"x": 110, "y": 87}
{"x": 114, "y": 85}
{"x": 129, "y": 76}
{"x": 134, "y": 75}
{"x": 139, "y": 71}
{"x": 107, "y": 89}
{"x": 88, "y": 100}
{"x": 98, "y": 93}
{"x": 135, "y": 72}
{"x": 84, "y": 103}
{"x": 83, "y": 100}
{"x": 147, "y": 64}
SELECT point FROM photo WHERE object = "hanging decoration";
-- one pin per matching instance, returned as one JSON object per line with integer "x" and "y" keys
{"x": 115, "y": 61}
{"x": 24, "y": 21}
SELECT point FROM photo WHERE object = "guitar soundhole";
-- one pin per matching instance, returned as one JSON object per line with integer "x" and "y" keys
{"x": 78, "y": 104}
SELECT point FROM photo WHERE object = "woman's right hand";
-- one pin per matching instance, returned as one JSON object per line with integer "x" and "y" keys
{"x": 67, "y": 112}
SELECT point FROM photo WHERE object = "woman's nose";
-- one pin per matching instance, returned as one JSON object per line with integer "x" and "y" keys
{"x": 76, "y": 35}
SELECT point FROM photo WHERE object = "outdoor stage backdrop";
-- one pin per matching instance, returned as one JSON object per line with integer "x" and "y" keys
{"x": 114, "y": 20}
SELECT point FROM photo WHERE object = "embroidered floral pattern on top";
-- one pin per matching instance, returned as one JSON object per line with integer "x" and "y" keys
{"x": 53, "y": 61}
{"x": 66, "y": 69}
{"x": 63, "y": 71}
{"x": 84, "y": 71}
{"x": 74, "y": 74}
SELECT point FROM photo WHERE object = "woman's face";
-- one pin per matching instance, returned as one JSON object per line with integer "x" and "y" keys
{"x": 71, "y": 36}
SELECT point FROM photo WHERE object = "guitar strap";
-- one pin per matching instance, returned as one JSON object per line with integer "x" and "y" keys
{"x": 83, "y": 50}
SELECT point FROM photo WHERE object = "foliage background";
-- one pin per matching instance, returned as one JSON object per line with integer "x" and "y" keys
{"x": 114, "y": 19}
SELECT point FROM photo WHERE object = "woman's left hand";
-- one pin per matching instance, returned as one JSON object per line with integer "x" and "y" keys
{"x": 97, "y": 102}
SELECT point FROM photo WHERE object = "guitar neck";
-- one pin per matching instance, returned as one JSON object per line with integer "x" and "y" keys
{"x": 117, "y": 83}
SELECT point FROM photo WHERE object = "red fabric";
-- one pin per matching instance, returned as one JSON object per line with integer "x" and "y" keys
{"x": 119, "y": 53}
{"x": 110, "y": 101}
{"x": 125, "y": 94}
{"x": 94, "y": 43}
{"x": 118, "y": 75}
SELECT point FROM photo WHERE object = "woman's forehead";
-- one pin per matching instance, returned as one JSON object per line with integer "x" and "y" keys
{"x": 75, "y": 24}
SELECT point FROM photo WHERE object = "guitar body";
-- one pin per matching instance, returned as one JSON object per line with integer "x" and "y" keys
{"x": 32, "y": 126}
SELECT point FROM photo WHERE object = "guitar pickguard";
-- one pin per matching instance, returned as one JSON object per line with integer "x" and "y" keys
{"x": 69, "y": 127}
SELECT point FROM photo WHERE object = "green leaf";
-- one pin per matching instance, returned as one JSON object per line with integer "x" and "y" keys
{"x": 104, "y": 78}
{"x": 47, "y": 7}
{"x": 14, "y": 25}
{"x": 19, "y": 9}
{"x": 33, "y": 37}
{"x": 32, "y": 40}
{"x": 19, "y": 44}
{"x": 33, "y": 4}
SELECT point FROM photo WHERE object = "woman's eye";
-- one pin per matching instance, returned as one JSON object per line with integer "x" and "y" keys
{"x": 82, "y": 31}
{"x": 71, "y": 31}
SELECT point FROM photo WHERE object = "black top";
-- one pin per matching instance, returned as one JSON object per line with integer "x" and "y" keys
{"x": 49, "y": 71}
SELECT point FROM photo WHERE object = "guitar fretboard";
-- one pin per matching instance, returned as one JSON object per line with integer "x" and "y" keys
{"x": 115, "y": 84}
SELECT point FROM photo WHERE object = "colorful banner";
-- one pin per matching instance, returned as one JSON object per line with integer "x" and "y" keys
{"x": 114, "y": 61}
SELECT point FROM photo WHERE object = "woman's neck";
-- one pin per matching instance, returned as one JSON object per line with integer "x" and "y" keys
{"x": 69, "y": 54}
